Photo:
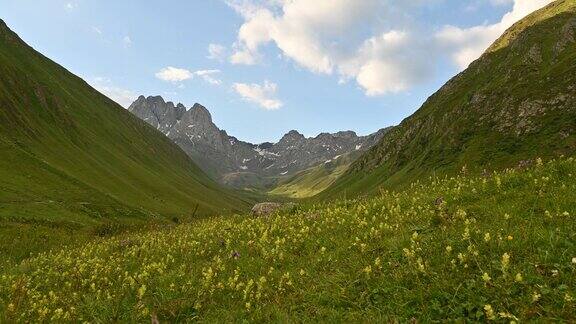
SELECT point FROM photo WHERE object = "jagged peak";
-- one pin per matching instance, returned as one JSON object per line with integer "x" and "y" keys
{"x": 156, "y": 99}
{"x": 199, "y": 112}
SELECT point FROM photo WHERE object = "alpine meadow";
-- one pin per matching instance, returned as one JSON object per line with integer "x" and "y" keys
{"x": 118, "y": 205}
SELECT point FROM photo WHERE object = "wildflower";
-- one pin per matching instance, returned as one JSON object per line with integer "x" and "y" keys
{"x": 554, "y": 273}
{"x": 568, "y": 298}
{"x": 11, "y": 307}
{"x": 235, "y": 255}
{"x": 518, "y": 277}
{"x": 547, "y": 214}
{"x": 302, "y": 272}
{"x": 323, "y": 249}
{"x": 505, "y": 261}
{"x": 420, "y": 264}
{"x": 449, "y": 249}
{"x": 368, "y": 270}
{"x": 510, "y": 237}
{"x": 539, "y": 162}
{"x": 506, "y": 216}
{"x": 513, "y": 318}
{"x": 378, "y": 262}
{"x": 565, "y": 214}
{"x": 574, "y": 260}
{"x": 489, "y": 311}
{"x": 536, "y": 297}
{"x": 141, "y": 291}
{"x": 487, "y": 237}
{"x": 486, "y": 277}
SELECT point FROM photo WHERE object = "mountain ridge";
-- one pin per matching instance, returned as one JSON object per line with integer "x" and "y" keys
{"x": 70, "y": 152}
{"x": 238, "y": 163}
{"x": 514, "y": 103}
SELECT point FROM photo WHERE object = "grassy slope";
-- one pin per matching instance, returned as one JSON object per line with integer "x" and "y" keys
{"x": 497, "y": 247}
{"x": 517, "y": 101}
{"x": 71, "y": 158}
{"x": 312, "y": 181}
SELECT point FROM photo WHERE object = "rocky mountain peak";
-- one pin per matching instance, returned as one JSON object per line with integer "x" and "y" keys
{"x": 292, "y": 136}
{"x": 228, "y": 158}
{"x": 200, "y": 113}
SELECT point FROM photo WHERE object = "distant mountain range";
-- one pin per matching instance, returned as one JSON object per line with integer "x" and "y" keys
{"x": 515, "y": 103}
{"x": 241, "y": 164}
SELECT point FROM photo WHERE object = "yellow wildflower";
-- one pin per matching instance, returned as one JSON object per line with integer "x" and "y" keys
{"x": 489, "y": 311}
{"x": 486, "y": 277}
{"x": 505, "y": 261}
{"x": 141, "y": 291}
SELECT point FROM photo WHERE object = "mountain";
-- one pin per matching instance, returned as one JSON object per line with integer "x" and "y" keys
{"x": 516, "y": 102}
{"x": 241, "y": 164}
{"x": 71, "y": 155}
{"x": 312, "y": 181}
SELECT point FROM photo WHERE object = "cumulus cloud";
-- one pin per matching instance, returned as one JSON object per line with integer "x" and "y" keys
{"x": 209, "y": 76}
{"x": 467, "y": 44}
{"x": 373, "y": 42}
{"x": 263, "y": 95}
{"x": 172, "y": 74}
{"x": 105, "y": 86}
{"x": 216, "y": 52}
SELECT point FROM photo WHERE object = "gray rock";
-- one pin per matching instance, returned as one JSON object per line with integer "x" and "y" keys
{"x": 241, "y": 164}
{"x": 266, "y": 208}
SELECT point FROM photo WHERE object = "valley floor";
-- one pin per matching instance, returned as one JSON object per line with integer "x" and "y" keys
{"x": 497, "y": 247}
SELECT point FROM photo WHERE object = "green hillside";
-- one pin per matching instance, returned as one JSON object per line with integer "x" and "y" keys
{"x": 311, "y": 182}
{"x": 464, "y": 249}
{"x": 516, "y": 102}
{"x": 71, "y": 158}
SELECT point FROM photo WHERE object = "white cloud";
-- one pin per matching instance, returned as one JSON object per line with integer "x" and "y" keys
{"x": 374, "y": 42}
{"x": 70, "y": 6}
{"x": 323, "y": 36}
{"x": 467, "y": 44}
{"x": 264, "y": 95}
{"x": 127, "y": 41}
{"x": 209, "y": 76}
{"x": 96, "y": 30}
{"x": 122, "y": 96}
{"x": 172, "y": 74}
{"x": 216, "y": 52}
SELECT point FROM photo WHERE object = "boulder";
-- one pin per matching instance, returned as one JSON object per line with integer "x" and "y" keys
{"x": 266, "y": 208}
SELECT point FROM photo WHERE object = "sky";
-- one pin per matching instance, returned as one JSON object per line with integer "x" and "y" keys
{"x": 264, "y": 67}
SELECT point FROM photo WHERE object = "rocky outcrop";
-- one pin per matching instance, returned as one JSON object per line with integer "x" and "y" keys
{"x": 239, "y": 163}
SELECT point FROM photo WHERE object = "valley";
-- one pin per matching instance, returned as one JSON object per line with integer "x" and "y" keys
{"x": 243, "y": 165}
{"x": 150, "y": 212}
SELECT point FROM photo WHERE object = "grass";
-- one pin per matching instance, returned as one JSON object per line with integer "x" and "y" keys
{"x": 471, "y": 248}
{"x": 314, "y": 180}
{"x": 72, "y": 162}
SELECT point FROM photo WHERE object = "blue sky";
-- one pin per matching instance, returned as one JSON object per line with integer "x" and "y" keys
{"x": 264, "y": 67}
